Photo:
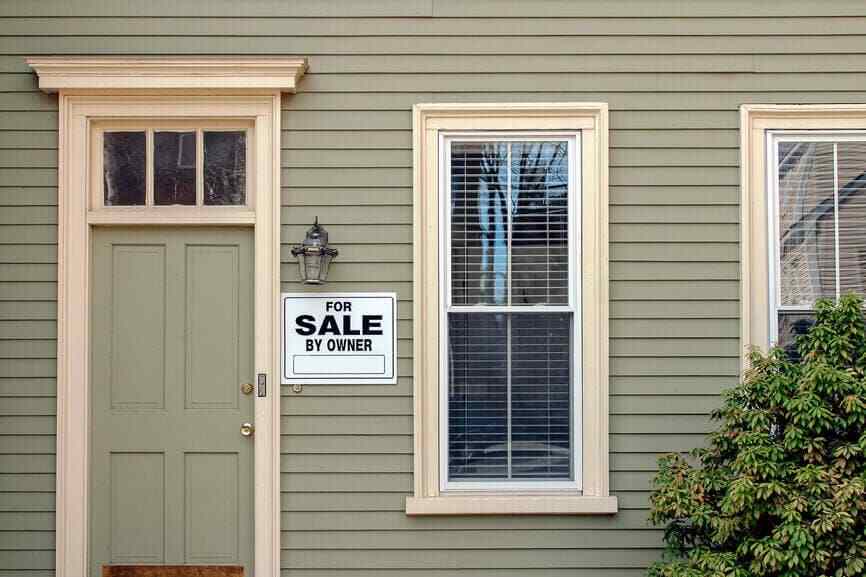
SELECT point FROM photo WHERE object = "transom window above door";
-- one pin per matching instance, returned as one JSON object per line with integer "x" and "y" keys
{"x": 178, "y": 164}
{"x": 817, "y": 225}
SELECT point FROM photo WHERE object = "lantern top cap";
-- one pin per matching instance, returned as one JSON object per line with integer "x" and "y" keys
{"x": 316, "y": 239}
{"x": 316, "y": 235}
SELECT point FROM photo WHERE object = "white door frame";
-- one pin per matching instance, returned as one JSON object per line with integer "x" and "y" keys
{"x": 162, "y": 89}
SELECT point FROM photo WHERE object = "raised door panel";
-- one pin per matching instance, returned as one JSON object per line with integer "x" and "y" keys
{"x": 211, "y": 523}
{"x": 137, "y": 505}
{"x": 212, "y": 327}
{"x": 137, "y": 353}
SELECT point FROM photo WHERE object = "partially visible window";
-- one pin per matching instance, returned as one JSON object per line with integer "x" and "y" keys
{"x": 511, "y": 374}
{"x": 173, "y": 167}
{"x": 818, "y": 246}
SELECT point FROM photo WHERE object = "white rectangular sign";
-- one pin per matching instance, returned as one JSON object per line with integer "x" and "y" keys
{"x": 339, "y": 338}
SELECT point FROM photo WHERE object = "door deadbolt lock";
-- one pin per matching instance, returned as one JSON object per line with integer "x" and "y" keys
{"x": 247, "y": 388}
{"x": 247, "y": 429}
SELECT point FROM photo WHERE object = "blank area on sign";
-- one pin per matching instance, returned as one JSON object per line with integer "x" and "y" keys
{"x": 339, "y": 364}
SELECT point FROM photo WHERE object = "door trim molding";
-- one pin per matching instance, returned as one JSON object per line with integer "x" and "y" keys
{"x": 76, "y": 112}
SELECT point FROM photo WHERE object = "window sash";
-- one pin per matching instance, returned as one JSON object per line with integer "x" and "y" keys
{"x": 773, "y": 140}
{"x": 445, "y": 307}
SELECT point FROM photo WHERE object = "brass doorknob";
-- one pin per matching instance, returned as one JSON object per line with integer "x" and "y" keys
{"x": 247, "y": 388}
{"x": 247, "y": 429}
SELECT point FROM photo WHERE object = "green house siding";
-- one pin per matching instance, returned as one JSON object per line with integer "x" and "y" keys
{"x": 674, "y": 83}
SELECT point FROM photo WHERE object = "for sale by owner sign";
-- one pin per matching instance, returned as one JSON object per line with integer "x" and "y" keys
{"x": 339, "y": 338}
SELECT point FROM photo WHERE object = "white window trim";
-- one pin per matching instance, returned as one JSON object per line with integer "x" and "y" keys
{"x": 93, "y": 89}
{"x": 759, "y": 124}
{"x": 589, "y": 120}
{"x": 573, "y": 307}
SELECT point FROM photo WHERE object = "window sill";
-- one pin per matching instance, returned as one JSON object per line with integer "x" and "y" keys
{"x": 511, "y": 505}
{"x": 172, "y": 215}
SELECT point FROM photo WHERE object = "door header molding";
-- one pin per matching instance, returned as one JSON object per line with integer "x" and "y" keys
{"x": 236, "y": 74}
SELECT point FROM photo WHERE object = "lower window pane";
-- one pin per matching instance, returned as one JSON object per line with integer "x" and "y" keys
{"x": 509, "y": 396}
{"x": 792, "y": 325}
{"x": 540, "y": 396}
{"x": 477, "y": 396}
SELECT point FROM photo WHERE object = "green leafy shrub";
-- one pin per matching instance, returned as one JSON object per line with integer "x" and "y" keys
{"x": 781, "y": 488}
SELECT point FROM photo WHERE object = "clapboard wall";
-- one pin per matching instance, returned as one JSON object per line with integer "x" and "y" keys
{"x": 674, "y": 74}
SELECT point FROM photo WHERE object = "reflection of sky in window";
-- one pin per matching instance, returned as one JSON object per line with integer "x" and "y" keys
{"x": 494, "y": 248}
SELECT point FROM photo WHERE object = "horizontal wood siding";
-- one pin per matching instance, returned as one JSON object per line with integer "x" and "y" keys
{"x": 673, "y": 80}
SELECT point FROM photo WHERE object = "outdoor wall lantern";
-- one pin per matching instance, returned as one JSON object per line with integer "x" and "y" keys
{"x": 314, "y": 255}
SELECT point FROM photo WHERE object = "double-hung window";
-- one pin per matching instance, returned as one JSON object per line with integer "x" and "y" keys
{"x": 510, "y": 309}
{"x": 803, "y": 200}
{"x": 510, "y": 364}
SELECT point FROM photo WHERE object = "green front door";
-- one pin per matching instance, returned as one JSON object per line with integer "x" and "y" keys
{"x": 171, "y": 345}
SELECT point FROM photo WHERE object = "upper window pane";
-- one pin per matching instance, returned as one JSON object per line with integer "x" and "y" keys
{"x": 821, "y": 206}
{"x": 124, "y": 168}
{"x": 174, "y": 168}
{"x": 479, "y": 223}
{"x": 807, "y": 253}
{"x": 851, "y": 160}
{"x": 539, "y": 234}
{"x": 509, "y": 223}
{"x": 224, "y": 167}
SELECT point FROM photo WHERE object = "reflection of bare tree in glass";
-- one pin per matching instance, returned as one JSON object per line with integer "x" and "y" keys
{"x": 510, "y": 206}
{"x": 538, "y": 189}
{"x": 224, "y": 168}
{"x": 539, "y": 239}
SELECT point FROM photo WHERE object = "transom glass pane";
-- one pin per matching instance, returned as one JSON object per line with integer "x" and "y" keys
{"x": 224, "y": 167}
{"x": 510, "y": 370}
{"x": 124, "y": 168}
{"x": 174, "y": 168}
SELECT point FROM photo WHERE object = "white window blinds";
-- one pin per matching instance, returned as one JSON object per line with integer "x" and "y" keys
{"x": 821, "y": 227}
{"x": 509, "y": 317}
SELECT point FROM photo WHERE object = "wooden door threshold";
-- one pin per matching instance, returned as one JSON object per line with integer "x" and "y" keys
{"x": 172, "y": 571}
